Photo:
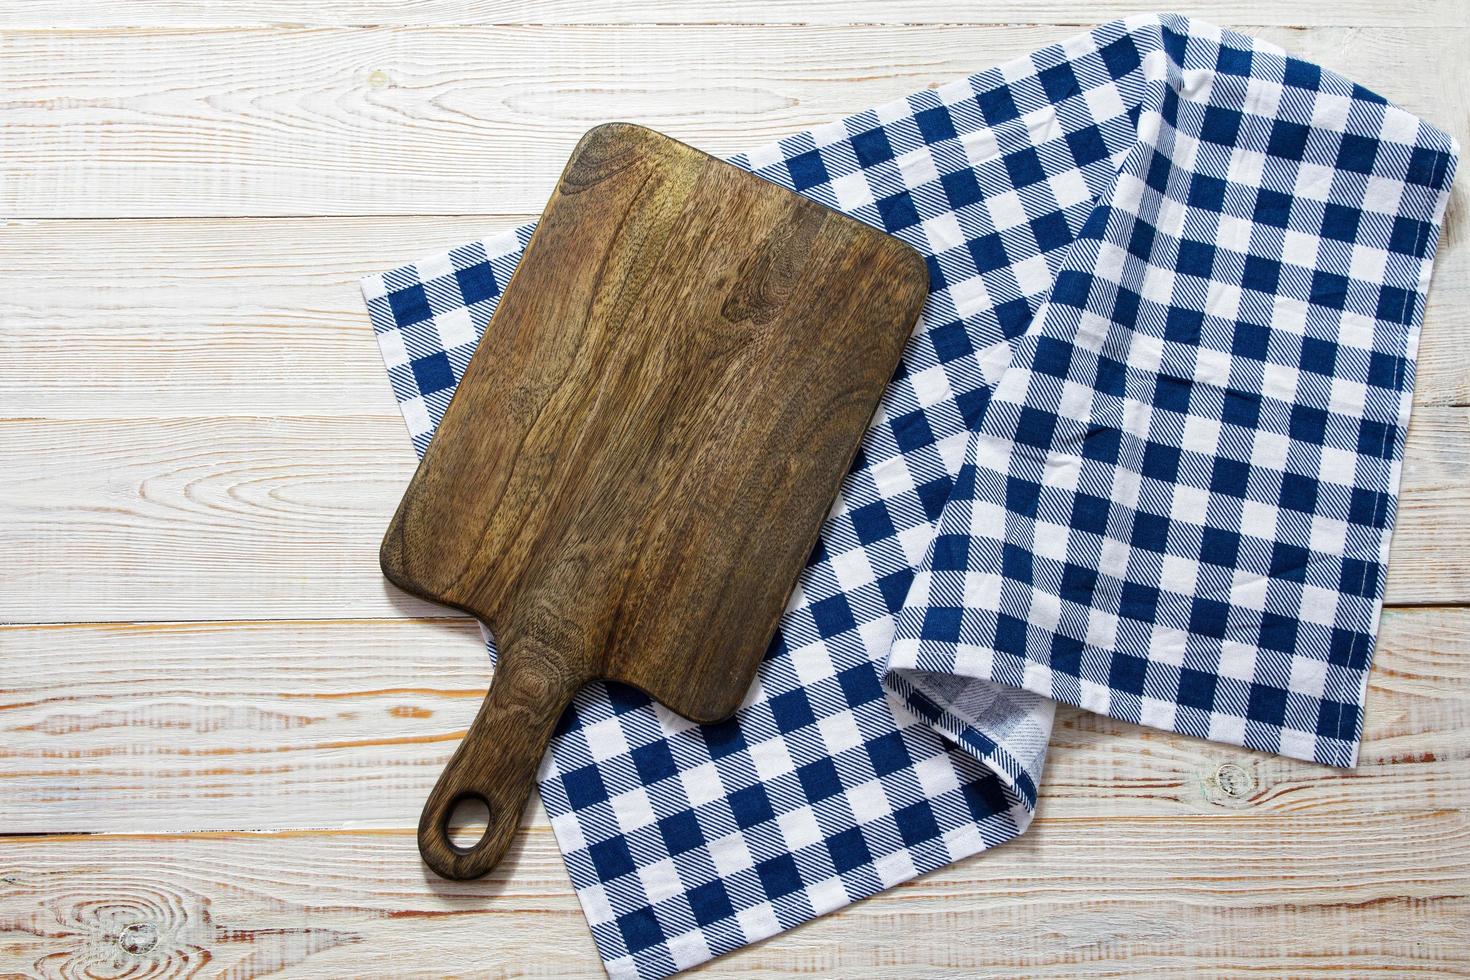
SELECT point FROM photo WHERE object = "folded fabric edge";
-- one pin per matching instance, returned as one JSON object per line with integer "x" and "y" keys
{"x": 966, "y": 714}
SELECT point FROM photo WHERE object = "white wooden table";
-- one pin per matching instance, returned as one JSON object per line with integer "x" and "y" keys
{"x": 217, "y": 722}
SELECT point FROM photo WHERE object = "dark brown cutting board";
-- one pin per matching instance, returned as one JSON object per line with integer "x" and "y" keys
{"x": 638, "y": 459}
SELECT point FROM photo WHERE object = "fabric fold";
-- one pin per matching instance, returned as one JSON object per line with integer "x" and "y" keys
{"x": 1176, "y": 507}
{"x": 1116, "y": 259}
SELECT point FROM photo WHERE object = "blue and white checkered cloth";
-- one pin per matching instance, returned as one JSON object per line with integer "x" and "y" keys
{"x": 1142, "y": 456}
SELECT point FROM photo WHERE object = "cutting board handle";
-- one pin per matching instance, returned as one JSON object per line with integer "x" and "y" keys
{"x": 498, "y": 759}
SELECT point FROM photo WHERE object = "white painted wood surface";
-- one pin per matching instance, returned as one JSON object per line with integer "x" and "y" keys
{"x": 217, "y": 723}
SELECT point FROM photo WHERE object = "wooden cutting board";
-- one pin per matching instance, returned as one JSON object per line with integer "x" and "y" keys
{"x": 638, "y": 459}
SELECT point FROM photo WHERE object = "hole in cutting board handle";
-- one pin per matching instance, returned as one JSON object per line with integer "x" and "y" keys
{"x": 467, "y": 822}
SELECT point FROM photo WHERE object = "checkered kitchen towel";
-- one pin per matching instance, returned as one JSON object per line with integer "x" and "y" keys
{"x": 1142, "y": 455}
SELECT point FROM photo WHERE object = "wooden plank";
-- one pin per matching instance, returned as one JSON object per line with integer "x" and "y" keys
{"x": 252, "y": 726}
{"x": 1292, "y": 894}
{"x": 280, "y": 121}
{"x": 200, "y": 518}
{"x": 165, "y": 318}
{"x": 131, "y": 519}
{"x": 217, "y": 726}
{"x": 346, "y": 13}
{"x": 179, "y": 317}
